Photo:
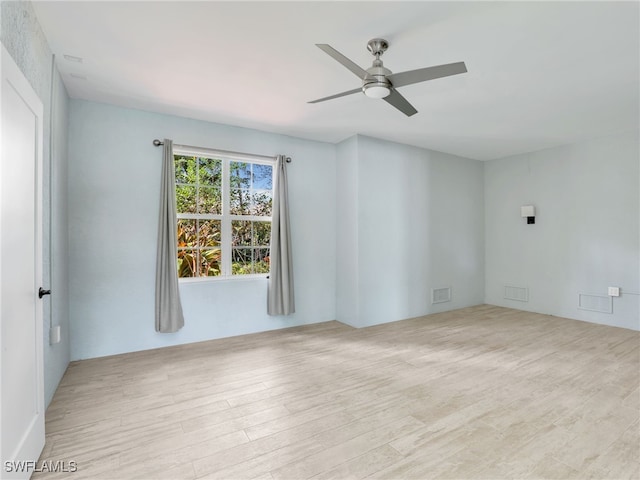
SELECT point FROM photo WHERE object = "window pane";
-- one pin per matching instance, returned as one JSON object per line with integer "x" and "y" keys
{"x": 185, "y": 169}
{"x": 261, "y": 203}
{"x": 210, "y": 262}
{"x": 209, "y": 233}
{"x": 187, "y": 262}
{"x": 262, "y": 177}
{"x": 241, "y": 233}
{"x": 261, "y": 234}
{"x": 187, "y": 233}
{"x": 241, "y": 261}
{"x": 261, "y": 260}
{"x": 210, "y": 172}
{"x": 209, "y": 200}
{"x": 240, "y": 201}
{"x": 185, "y": 199}
{"x": 240, "y": 175}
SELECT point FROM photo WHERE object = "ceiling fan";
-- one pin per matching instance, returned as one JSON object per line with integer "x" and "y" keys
{"x": 379, "y": 82}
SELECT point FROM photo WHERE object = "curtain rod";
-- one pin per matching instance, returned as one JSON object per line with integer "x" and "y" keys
{"x": 158, "y": 143}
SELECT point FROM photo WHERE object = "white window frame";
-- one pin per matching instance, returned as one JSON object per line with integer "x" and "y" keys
{"x": 225, "y": 217}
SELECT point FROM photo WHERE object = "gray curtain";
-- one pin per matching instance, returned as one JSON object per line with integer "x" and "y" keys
{"x": 169, "y": 316}
{"x": 280, "y": 299}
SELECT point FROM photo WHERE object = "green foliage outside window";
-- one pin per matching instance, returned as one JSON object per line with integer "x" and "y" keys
{"x": 199, "y": 253}
{"x": 200, "y": 208}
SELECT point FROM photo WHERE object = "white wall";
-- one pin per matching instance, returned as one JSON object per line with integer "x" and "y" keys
{"x": 114, "y": 175}
{"x": 23, "y": 38}
{"x": 586, "y": 236}
{"x": 420, "y": 225}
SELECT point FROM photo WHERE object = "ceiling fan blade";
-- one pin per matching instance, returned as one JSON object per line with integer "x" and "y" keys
{"x": 423, "y": 74}
{"x": 396, "y": 100}
{"x": 337, "y": 95}
{"x": 332, "y": 52}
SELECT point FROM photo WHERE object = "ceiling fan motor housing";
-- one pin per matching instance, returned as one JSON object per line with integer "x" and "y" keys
{"x": 375, "y": 84}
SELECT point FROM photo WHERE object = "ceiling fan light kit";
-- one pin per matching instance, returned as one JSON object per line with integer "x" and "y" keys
{"x": 376, "y": 90}
{"x": 380, "y": 82}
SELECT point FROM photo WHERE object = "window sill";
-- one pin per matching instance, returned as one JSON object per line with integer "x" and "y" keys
{"x": 229, "y": 278}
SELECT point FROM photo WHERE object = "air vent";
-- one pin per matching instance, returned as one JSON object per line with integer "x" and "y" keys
{"x": 73, "y": 58}
{"x": 440, "y": 295}
{"x": 520, "y": 294}
{"x": 595, "y": 303}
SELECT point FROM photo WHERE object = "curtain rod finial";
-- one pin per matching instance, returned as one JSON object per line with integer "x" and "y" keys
{"x": 157, "y": 142}
{"x": 288, "y": 159}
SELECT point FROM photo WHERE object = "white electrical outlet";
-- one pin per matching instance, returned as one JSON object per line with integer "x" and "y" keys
{"x": 54, "y": 335}
{"x": 614, "y": 291}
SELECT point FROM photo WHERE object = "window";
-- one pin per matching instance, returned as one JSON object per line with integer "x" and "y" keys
{"x": 224, "y": 214}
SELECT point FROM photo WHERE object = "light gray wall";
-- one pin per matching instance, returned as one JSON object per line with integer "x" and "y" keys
{"x": 23, "y": 38}
{"x": 586, "y": 236}
{"x": 347, "y": 254}
{"x": 419, "y": 225}
{"x": 114, "y": 188}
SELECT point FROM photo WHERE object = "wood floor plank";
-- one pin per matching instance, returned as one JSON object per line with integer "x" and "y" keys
{"x": 347, "y": 450}
{"x": 362, "y": 466}
{"x": 620, "y": 460}
{"x": 480, "y": 392}
{"x": 176, "y": 451}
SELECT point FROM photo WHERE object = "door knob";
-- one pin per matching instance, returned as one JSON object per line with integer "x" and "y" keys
{"x": 42, "y": 292}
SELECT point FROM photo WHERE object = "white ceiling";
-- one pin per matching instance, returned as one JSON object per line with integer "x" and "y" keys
{"x": 541, "y": 74}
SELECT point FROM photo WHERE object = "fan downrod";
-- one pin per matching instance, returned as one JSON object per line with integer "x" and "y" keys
{"x": 377, "y": 46}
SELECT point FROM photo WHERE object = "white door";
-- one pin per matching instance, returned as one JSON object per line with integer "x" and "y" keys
{"x": 22, "y": 385}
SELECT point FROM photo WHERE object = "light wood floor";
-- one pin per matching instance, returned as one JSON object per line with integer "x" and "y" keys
{"x": 482, "y": 392}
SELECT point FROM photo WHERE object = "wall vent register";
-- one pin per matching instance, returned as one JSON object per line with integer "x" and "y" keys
{"x": 520, "y": 294}
{"x": 595, "y": 303}
{"x": 440, "y": 295}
